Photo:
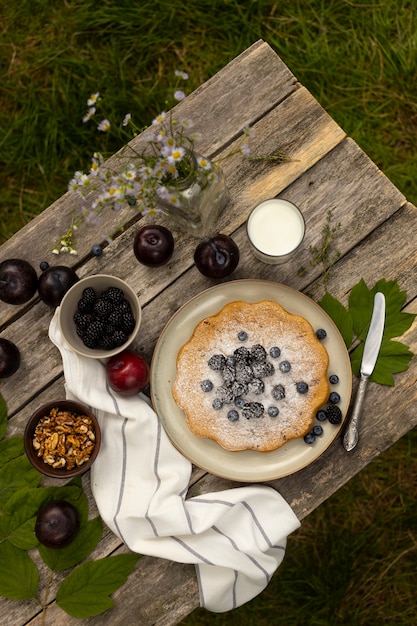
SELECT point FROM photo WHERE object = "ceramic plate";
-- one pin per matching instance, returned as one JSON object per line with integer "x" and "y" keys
{"x": 246, "y": 466}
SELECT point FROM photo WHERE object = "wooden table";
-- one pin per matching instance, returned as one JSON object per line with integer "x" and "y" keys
{"x": 376, "y": 239}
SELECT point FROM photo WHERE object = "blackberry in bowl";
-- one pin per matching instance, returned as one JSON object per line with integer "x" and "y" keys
{"x": 99, "y": 316}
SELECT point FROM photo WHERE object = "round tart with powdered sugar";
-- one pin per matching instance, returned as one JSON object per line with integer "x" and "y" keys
{"x": 252, "y": 377}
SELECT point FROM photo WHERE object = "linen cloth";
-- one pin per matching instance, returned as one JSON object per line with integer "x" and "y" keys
{"x": 236, "y": 538}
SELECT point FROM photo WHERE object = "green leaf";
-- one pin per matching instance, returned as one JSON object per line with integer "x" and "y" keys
{"x": 396, "y": 322}
{"x": 72, "y": 493}
{"x": 11, "y": 448}
{"x": 16, "y": 474}
{"x": 23, "y": 536}
{"x": 394, "y": 357}
{"x": 340, "y": 315}
{"x": 85, "y": 592}
{"x": 84, "y": 543}
{"x": 17, "y": 524}
{"x": 3, "y": 417}
{"x": 18, "y": 574}
{"x": 361, "y": 303}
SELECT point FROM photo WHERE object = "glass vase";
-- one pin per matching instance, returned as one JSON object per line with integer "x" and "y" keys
{"x": 196, "y": 199}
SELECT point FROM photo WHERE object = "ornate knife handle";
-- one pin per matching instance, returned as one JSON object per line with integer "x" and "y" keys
{"x": 351, "y": 436}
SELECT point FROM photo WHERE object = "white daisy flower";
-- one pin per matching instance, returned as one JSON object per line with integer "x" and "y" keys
{"x": 92, "y": 100}
{"x": 89, "y": 114}
{"x": 204, "y": 163}
{"x": 159, "y": 118}
{"x": 181, "y": 74}
{"x": 104, "y": 126}
{"x": 126, "y": 119}
{"x": 176, "y": 155}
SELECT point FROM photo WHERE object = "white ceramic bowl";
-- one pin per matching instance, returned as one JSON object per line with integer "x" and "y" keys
{"x": 69, "y": 304}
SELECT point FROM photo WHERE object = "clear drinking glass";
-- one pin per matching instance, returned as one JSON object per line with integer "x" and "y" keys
{"x": 275, "y": 230}
{"x": 196, "y": 200}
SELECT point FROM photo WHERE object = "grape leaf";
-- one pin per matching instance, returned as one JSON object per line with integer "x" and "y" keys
{"x": 16, "y": 474}
{"x": 85, "y": 592}
{"x": 361, "y": 304}
{"x": 3, "y": 417}
{"x": 17, "y": 524}
{"x": 11, "y": 448}
{"x": 394, "y": 357}
{"x": 18, "y": 574}
{"x": 72, "y": 493}
{"x": 340, "y": 315}
{"x": 361, "y": 301}
{"x": 396, "y": 321}
{"x": 84, "y": 543}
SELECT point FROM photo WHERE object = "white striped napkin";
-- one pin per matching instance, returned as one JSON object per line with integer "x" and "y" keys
{"x": 236, "y": 538}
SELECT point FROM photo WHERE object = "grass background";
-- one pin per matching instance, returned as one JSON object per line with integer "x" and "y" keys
{"x": 353, "y": 560}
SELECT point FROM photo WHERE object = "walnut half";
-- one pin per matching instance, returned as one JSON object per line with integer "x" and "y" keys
{"x": 64, "y": 439}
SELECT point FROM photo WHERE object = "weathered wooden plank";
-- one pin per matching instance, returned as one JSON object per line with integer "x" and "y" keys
{"x": 317, "y": 189}
{"x": 40, "y": 357}
{"x": 162, "y": 593}
{"x": 298, "y": 125}
{"x": 307, "y": 489}
{"x": 327, "y": 172}
{"x": 219, "y": 109}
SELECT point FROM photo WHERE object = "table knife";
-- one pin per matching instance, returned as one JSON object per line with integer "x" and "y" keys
{"x": 369, "y": 358}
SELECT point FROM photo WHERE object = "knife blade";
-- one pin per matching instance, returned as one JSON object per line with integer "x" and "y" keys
{"x": 369, "y": 359}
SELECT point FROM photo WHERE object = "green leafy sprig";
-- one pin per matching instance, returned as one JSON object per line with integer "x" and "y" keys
{"x": 324, "y": 254}
{"x": 353, "y": 323}
{"x": 87, "y": 588}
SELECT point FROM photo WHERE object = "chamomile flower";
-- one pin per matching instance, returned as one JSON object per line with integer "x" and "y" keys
{"x": 187, "y": 123}
{"x": 176, "y": 154}
{"x": 181, "y": 74}
{"x": 92, "y": 100}
{"x": 104, "y": 126}
{"x": 144, "y": 178}
{"x": 95, "y": 167}
{"x": 73, "y": 183}
{"x": 169, "y": 142}
{"x": 245, "y": 149}
{"x": 129, "y": 174}
{"x": 204, "y": 163}
{"x": 91, "y": 111}
{"x": 171, "y": 170}
{"x": 126, "y": 119}
{"x": 159, "y": 119}
{"x": 248, "y": 132}
{"x": 162, "y": 192}
{"x": 173, "y": 199}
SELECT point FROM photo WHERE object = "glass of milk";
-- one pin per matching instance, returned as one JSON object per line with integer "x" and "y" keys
{"x": 275, "y": 230}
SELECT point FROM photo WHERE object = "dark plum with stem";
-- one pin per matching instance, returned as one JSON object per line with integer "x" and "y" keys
{"x": 18, "y": 281}
{"x": 153, "y": 245}
{"x": 54, "y": 283}
{"x": 9, "y": 358}
{"x": 217, "y": 256}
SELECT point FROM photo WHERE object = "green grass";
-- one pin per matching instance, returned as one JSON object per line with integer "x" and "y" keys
{"x": 358, "y": 58}
{"x": 352, "y": 561}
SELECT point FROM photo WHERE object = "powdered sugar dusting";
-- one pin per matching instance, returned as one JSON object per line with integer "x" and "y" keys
{"x": 268, "y": 324}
